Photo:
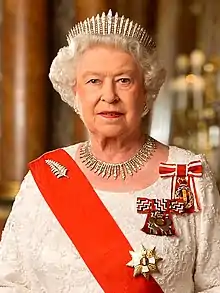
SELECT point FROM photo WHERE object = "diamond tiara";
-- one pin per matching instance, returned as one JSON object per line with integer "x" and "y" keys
{"x": 107, "y": 24}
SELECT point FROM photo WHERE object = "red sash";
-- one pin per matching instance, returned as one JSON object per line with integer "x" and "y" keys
{"x": 88, "y": 224}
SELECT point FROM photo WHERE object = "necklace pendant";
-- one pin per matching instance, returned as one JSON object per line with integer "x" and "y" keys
{"x": 122, "y": 172}
{"x": 115, "y": 173}
{"x": 109, "y": 172}
{"x": 104, "y": 171}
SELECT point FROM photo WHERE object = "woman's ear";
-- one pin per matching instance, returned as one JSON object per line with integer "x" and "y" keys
{"x": 74, "y": 89}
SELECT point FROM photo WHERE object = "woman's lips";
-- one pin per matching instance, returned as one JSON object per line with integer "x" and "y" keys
{"x": 110, "y": 114}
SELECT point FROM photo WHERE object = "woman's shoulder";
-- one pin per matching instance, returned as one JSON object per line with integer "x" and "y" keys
{"x": 28, "y": 185}
{"x": 209, "y": 194}
{"x": 179, "y": 155}
{"x": 29, "y": 194}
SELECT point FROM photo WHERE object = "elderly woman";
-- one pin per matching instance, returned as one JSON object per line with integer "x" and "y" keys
{"x": 120, "y": 212}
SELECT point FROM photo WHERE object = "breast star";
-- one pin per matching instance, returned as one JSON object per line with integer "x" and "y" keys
{"x": 144, "y": 262}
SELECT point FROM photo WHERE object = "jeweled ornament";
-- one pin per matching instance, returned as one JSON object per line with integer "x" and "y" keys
{"x": 144, "y": 262}
{"x": 116, "y": 170}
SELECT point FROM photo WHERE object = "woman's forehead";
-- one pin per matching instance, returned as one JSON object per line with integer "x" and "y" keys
{"x": 98, "y": 59}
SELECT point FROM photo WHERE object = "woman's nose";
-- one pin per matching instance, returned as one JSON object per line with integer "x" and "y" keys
{"x": 109, "y": 94}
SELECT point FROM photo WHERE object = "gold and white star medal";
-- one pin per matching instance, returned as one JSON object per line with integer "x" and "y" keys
{"x": 144, "y": 262}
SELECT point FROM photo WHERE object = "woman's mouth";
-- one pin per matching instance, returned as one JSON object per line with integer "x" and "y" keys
{"x": 111, "y": 114}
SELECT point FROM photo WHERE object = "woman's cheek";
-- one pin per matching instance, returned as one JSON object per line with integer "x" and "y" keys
{"x": 80, "y": 91}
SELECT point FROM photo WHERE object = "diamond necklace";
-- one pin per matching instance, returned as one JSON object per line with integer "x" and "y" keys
{"x": 116, "y": 170}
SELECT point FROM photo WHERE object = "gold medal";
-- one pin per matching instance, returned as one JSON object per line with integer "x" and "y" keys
{"x": 144, "y": 262}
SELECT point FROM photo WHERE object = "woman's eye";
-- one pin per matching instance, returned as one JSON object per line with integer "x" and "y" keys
{"x": 125, "y": 80}
{"x": 94, "y": 81}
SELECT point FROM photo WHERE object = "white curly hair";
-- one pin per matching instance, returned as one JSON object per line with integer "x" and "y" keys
{"x": 62, "y": 71}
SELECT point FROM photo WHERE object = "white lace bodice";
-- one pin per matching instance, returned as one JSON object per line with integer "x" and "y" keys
{"x": 37, "y": 256}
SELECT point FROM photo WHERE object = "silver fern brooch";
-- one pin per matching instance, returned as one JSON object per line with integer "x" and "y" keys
{"x": 57, "y": 169}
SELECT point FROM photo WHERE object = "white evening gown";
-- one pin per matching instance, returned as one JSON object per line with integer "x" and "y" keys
{"x": 37, "y": 256}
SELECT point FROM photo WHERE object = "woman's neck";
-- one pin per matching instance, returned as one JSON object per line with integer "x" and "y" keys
{"x": 116, "y": 149}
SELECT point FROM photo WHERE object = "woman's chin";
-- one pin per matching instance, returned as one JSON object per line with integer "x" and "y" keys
{"x": 110, "y": 131}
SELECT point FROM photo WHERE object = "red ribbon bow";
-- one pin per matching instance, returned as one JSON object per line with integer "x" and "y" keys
{"x": 194, "y": 169}
{"x": 183, "y": 178}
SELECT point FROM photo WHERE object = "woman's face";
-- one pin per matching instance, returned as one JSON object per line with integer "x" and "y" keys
{"x": 110, "y": 91}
